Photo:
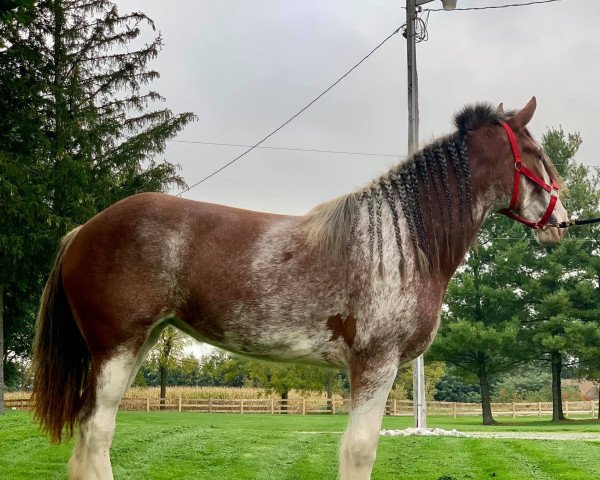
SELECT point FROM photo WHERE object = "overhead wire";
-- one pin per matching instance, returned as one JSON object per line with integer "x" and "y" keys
{"x": 295, "y": 149}
{"x": 492, "y": 7}
{"x": 318, "y": 97}
{"x": 319, "y": 150}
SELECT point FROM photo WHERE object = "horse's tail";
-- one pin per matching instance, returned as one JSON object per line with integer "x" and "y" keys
{"x": 64, "y": 389}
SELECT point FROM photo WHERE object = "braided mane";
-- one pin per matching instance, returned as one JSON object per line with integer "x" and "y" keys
{"x": 407, "y": 190}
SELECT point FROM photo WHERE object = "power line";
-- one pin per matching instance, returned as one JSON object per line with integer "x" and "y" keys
{"x": 493, "y": 7}
{"x": 320, "y": 150}
{"x": 257, "y": 144}
{"x": 295, "y": 149}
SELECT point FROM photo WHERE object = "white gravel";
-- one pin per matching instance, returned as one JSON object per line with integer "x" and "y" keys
{"x": 425, "y": 432}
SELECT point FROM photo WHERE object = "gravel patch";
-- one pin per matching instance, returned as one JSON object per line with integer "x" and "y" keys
{"x": 424, "y": 432}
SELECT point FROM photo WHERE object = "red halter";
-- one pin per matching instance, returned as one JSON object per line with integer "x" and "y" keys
{"x": 521, "y": 169}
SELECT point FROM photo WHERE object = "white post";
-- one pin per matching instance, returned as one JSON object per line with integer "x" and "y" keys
{"x": 419, "y": 393}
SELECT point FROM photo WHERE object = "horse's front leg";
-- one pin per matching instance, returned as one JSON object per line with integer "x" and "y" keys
{"x": 371, "y": 378}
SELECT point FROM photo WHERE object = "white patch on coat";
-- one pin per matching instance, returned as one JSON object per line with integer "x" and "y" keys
{"x": 173, "y": 263}
{"x": 91, "y": 456}
{"x": 288, "y": 321}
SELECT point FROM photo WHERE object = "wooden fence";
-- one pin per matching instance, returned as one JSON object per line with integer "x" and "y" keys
{"x": 313, "y": 406}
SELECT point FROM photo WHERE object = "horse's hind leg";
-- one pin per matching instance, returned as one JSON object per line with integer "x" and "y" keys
{"x": 91, "y": 456}
{"x": 371, "y": 380}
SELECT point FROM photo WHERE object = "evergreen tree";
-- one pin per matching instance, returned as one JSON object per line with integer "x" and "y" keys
{"x": 79, "y": 130}
{"x": 563, "y": 297}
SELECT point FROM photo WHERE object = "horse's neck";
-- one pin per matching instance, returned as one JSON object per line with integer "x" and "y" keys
{"x": 449, "y": 243}
{"x": 464, "y": 232}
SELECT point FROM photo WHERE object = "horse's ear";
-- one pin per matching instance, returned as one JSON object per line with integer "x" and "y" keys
{"x": 500, "y": 109}
{"x": 523, "y": 116}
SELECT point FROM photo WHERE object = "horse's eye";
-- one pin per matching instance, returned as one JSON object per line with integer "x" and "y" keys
{"x": 541, "y": 157}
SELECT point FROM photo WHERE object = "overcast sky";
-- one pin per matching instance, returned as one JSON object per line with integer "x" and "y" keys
{"x": 244, "y": 67}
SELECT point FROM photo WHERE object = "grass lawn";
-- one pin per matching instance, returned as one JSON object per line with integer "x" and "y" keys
{"x": 183, "y": 446}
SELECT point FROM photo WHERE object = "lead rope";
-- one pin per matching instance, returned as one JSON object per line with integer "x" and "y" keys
{"x": 572, "y": 223}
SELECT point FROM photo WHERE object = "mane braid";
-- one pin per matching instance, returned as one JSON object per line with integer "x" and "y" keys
{"x": 451, "y": 147}
{"x": 441, "y": 161}
{"x": 423, "y": 173}
{"x": 378, "y": 206}
{"x": 355, "y": 218}
{"x": 415, "y": 204}
{"x": 388, "y": 190}
{"x": 466, "y": 170}
{"x": 369, "y": 198}
{"x": 404, "y": 203}
{"x": 433, "y": 172}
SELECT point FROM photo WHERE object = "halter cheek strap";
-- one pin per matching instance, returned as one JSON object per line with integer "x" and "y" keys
{"x": 521, "y": 169}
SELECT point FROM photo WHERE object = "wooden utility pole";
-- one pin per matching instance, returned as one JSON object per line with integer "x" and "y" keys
{"x": 413, "y": 79}
{"x": 418, "y": 365}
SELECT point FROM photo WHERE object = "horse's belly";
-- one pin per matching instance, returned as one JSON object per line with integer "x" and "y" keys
{"x": 278, "y": 339}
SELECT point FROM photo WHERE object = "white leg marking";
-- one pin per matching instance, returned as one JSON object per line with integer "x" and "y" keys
{"x": 91, "y": 457}
{"x": 359, "y": 444}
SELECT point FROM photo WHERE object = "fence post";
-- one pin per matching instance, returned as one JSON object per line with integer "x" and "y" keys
{"x": 179, "y": 404}
{"x": 272, "y": 406}
{"x": 592, "y": 408}
{"x": 210, "y": 405}
{"x": 540, "y": 409}
{"x": 454, "y": 409}
{"x": 303, "y": 406}
{"x": 514, "y": 410}
{"x": 567, "y": 408}
{"x": 242, "y": 405}
{"x": 333, "y": 407}
{"x": 147, "y": 404}
{"x": 395, "y": 407}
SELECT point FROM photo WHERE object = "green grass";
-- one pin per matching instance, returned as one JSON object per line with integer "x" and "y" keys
{"x": 156, "y": 446}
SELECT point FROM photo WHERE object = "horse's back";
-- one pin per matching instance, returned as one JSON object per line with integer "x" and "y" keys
{"x": 153, "y": 256}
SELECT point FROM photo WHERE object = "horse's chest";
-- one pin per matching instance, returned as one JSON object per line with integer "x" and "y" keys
{"x": 405, "y": 319}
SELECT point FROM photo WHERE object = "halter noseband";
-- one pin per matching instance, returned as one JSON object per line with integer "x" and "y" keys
{"x": 521, "y": 169}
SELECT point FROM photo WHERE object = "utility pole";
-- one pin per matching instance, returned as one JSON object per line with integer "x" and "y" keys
{"x": 418, "y": 365}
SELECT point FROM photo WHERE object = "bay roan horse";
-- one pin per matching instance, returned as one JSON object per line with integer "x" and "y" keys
{"x": 358, "y": 282}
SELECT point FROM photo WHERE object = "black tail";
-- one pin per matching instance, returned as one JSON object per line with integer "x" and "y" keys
{"x": 64, "y": 388}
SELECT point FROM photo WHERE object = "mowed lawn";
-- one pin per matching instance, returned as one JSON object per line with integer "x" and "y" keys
{"x": 165, "y": 445}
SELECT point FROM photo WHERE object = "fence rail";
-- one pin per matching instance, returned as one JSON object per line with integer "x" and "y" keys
{"x": 317, "y": 406}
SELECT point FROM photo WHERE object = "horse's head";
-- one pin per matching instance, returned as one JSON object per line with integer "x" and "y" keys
{"x": 531, "y": 178}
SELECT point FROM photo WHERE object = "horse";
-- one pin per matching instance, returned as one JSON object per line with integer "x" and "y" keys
{"x": 356, "y": 283}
